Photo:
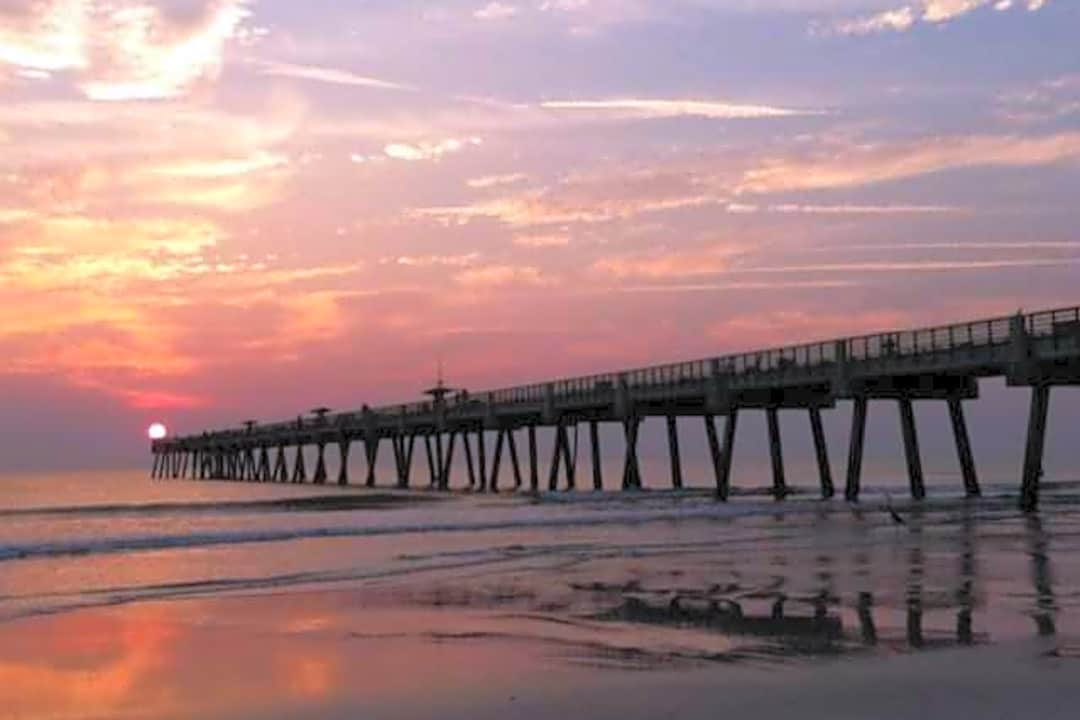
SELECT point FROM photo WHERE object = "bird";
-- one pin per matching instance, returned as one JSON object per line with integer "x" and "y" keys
{"x": 892, "y": 512}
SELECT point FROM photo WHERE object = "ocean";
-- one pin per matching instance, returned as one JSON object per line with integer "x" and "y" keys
{"x": 126, "y": 597}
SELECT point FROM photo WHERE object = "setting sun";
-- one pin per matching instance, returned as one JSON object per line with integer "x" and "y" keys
{"x": 157, "y": 431}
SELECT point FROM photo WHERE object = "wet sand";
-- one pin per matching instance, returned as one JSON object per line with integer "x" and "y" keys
{"x": 967, "y": 611}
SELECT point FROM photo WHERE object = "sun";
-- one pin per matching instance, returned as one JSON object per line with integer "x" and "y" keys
{"x": 157, "y": 431}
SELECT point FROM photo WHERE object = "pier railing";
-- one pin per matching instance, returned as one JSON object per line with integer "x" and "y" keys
{"x": 1061, "y": 328}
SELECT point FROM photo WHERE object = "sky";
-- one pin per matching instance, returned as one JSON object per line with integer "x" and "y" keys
{"x": 215, "y": 210}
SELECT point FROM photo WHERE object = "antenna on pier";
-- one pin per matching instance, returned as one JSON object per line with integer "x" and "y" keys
{"x": 440, "y": 391}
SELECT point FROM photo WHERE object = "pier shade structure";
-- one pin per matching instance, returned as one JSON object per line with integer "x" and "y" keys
{"x": 1037, "y": 351}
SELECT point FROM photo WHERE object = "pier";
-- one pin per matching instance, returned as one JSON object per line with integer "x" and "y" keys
{"x": 1036, "y": 351}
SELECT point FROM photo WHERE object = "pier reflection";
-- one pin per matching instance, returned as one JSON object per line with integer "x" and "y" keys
{"x": 871, "y": 617}
{"x": 1038, "y": 548}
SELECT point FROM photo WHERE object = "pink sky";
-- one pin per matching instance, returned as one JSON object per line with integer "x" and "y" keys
{"x": 221, "y": 209}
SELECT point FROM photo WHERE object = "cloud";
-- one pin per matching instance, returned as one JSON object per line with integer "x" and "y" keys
{"x": 499, "y": 275}
{"x": 662, "y": 265}
{"x": 1049, "y": 100}
{"x": 586, "y": 199}
{"x": 257, "y": 162}
{"x": 124, "y": 49}
{"x": 888, "y": 266}
{"x": 495, "y": 11}
{"x": 900, "y": 19}
{"x": 413, "y": 152}
{"x": 542, "y": 241}
{"x": 867, "y": 164}
{"x": 490, "y": 181}
{"x": 641, "y": 108}
{"x": 44, "y": 36}
{"x": 735, "y": 286}
{"x": 327, "y": 75}
{"x": 433, "y": 260}
{"x": 932, "y": 12}
{"x": 802, "y": 209}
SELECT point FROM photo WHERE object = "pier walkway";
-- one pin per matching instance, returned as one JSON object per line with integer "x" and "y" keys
{"x": 1038, "y": 351}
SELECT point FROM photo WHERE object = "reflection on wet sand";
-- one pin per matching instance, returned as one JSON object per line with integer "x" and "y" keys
{"x": 1045, "y": 609}
{"x": 853, "y": 590}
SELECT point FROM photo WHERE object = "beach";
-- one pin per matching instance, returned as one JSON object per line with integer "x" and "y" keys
{"x": 225, "y": 600}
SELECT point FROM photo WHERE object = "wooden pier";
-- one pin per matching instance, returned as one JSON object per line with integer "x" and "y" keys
{"x": 1037, "y": 351}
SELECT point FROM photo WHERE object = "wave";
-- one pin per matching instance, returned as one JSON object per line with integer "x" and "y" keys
{"x": 508, "y": 521}
{"x": 314, "y": 503}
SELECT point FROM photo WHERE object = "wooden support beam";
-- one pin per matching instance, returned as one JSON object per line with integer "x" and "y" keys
{"x": 299, "y": 471}
{"x": 154, "y": 467}
{"x": 776, "y": 453}
{"x": 534, "y": 466}
{"x": 405, "y": 448}
{"x": 432, "y": 470}
{"x": 821, "y": 450}
{"x": 344, "y": 444}
{"x": 963, "y": 448}
{"x": 281, "y": 468}
{"x": 264, "y": 464}
{"x": 855, "y": 452}
{"x": 1034, "y": 450}
{"x": 448, "y": 462}
{"x": 911, "y": 449}
{"x": 673, "y": 449}
{"x": 514, "y": 461}
{"x": 481, "y": 459}
{"x": 371, "y": 451}
{"x": 556, "y": 459}
{"x": 469, "y": 466}
{"x": 500, "y": 439}
{"x": 728, "y": 453}
{"x": 570, "y": 456}
{"x": 320, "y": 463}
{"x": 714, "y": 454}
{"x": 438, "y": 458}
{"x": 631, "y": 469}
{"x": 594, "y": 444}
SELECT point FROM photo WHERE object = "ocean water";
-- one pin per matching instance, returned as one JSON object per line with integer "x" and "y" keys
{"x": 653, "y": 583}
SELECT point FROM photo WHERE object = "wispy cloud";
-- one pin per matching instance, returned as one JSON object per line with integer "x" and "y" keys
{"x": 462, "y": 260}
{"x": 487, "y": 276}
{"x": 734, "y": 286}
{"x": 670, "y": 263}
{"x": 587, "y": 199}
{"x": 911, "y": 266}
{"x": 866, "y": 164}
{"x": 1049, "y": 100}
{"x": 223, "y": 168}
{"x": 490, "y": 181}
{"x": 661, "y": 108}
{"x": 803, "y": 209}
{"x": 932, "y": 12}
{"x": 332, "y": 76}
{"x": 542, "y": 241}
